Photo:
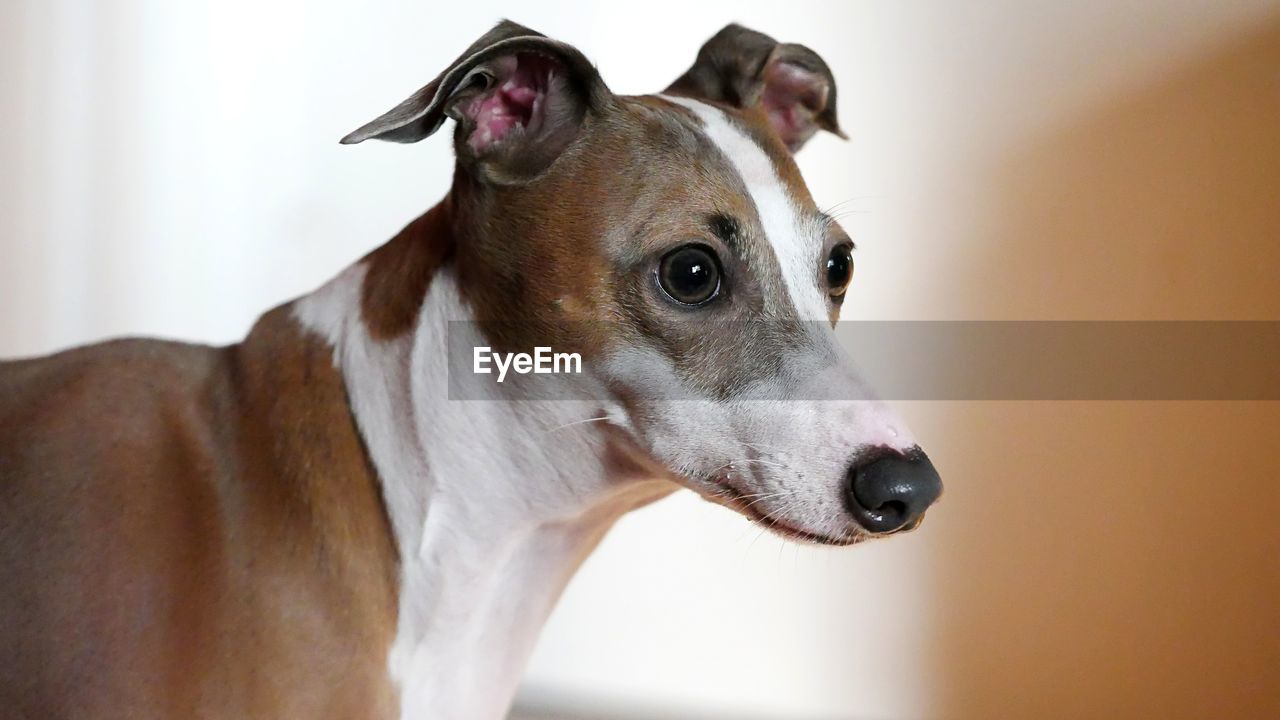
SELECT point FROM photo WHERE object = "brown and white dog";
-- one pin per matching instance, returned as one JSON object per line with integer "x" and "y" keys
{"x": 314, "y": 524}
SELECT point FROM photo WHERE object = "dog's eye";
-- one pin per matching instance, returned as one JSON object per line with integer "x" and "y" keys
{"x": 690, "y": 275}
{"x": 839, "y": 271}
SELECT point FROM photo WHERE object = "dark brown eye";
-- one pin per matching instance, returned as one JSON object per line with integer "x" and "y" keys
{"x": 690, "y": 275}
{"x": 839, "y": 270}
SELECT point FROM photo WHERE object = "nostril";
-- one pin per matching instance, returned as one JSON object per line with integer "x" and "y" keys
{"x": 889, "y": 515}
{"x": 892, "y": 492}
{"x": 896, "y": 508}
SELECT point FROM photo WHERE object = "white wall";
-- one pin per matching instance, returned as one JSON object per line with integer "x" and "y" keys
{"x": 172, "y": 168}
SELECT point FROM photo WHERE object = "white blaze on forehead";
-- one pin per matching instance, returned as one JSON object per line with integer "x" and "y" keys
{"x": 795, "y": 240}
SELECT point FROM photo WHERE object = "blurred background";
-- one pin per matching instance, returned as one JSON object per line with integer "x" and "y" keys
{"x": 172, "y": 169}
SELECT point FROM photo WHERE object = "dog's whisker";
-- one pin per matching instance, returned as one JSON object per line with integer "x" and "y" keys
{"x": 769, "y": 463}
{"x": 603, "y": 418}
{"x": 766, "y": 496}
{"x": 772, "y": 494}
{"x": 759, "y": 447}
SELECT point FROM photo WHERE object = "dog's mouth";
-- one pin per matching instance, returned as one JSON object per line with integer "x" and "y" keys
{"x": 724, "y": 492}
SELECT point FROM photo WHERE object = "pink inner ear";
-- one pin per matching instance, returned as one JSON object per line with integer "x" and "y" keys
{"x": 516, "y": 100}
{"x": 792, "y": 98}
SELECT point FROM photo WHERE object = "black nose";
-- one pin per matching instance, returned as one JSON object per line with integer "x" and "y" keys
{"x": 892, "y": 492}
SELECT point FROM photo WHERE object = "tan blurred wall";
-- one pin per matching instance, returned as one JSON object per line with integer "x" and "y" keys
{"x": 1110, "y": 559}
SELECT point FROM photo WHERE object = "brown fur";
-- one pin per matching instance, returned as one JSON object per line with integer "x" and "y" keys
{"x": 189, "y": 531}
{"x": 399, "y": 272}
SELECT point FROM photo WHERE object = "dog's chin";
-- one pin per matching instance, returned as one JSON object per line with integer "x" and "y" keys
{"x": 723, "y": 493}
{"x": 803, "y": 537}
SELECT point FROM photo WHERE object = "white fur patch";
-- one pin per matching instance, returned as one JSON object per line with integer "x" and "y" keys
{"x": 494, "y": 504}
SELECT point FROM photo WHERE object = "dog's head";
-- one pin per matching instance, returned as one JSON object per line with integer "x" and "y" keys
{"x": 671, "y": 240}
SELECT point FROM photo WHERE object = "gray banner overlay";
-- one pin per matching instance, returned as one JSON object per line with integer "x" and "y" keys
{"x": 932, "y": 360}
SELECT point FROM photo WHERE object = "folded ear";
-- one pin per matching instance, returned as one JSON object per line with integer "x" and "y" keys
{"x": 519, "y": 98}
{"x": 744, "y": 68}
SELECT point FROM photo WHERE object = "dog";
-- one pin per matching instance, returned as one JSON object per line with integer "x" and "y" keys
{"x": 335, "y": 518}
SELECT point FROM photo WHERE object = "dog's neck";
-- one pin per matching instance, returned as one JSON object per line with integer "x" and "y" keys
{"x": 494, "y": 504}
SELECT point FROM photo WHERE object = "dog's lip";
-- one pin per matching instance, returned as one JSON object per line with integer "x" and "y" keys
{"x": 730, "y": 496}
